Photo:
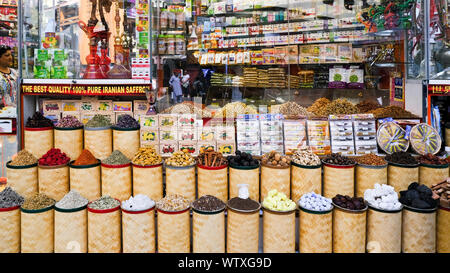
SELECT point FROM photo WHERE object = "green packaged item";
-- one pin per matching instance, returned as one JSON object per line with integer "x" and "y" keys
{"x": 59, "y": 72}
{"x": 59, "y": 55}
{"x": 42, "y": 55}
{"x": 143, "y": 38}
{"x": 41, "y": 72}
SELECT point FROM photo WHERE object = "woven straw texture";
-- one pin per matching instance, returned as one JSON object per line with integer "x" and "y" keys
{"x": 37, "y": 232}
{"x": 10, "y": 231}
{"x": 99, "y": 143}
{"x": 278, "y": 232}
{"x": 242, "y": 232}
{"x": 127, "y": 142}
{"x": 208, "y": 233}
{"x": 349, "y": 232}
{"x": 213, "y": 182}
{"x": 338, "y": 181}
{"x": 443, "y": 234}
{"x": 138, "y": 232}
{"x": 366, "y": 178}
{"x": 148, "y": 181}
{"x": 447, "y": 135}
{"x": 174, "y": 233}
{"x": 38, "y": 142}
{"x": 275, "y": 179}
{"x": 384, "y": 232}
{"x": 70, "y": 142}
{"x": 430, "y": 176}
{"x": 71, "y": 232}
{"x": 54, "y": 182}
{"x": 400, "y": 178}
{"x": 315, "y": 232}
{"x": 23, "y": 181}
{"x": 116, "y": 182}
{"x": 250, "y": 177}
{"x": 104, "y": 232}
{"x": 305, "y": 180}
{"x": 181, "y": 181}
{"x": 86, "y": 182}
{"x": 419, "y": 232}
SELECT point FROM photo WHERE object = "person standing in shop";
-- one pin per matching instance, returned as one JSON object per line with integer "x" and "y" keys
{"x": 175, "y": 83}
{"x": 8, "y": 78}
{"x": 186, "y": 84}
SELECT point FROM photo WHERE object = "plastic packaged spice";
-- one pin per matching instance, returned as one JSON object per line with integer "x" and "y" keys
{"x": 38, "y": 201}
{"x": 104, "y": 202}
{"x": 72, "y": 200}
{"x": 383, "y": 197}
{"x": 337, "y": 159}
{"x": 315, "y": 202}
{"x": 418, "y": 196}
{"x": 278, "y": 201}
{"x": 401, "y": 158}
{"x": 173, "y": 202}
{"x": 351, "y": 203}
{"x": 98, "y": 121}
{"x": 23, "y": 158}
{"x": 54, "y": 157}
{"x": 305, "y": 157}
{"x": 85, "y": 158}
{"x": 69, "y": 122}
{"x": 432, "y": 160}
{"x": 9, "y": 198}
{"x": 147, "y": 157}
{"x": 127, "y": 122}
{"x": 371, "y": 159}
{"x": 208, "y": 203}
{"x": 116, "y": 158}
{"x": 138, "y": 203}
{"x": 38, "y": 121}
{"x": 180, "y": 159}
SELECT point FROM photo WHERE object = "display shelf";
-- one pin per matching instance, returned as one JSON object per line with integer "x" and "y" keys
{"x": 231, "y": 36}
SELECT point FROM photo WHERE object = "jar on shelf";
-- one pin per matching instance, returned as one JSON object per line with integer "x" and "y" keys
{"x": 180, "y": 17}
{"x": 170, "y": 43}
{"x": 162, "y": 46}
{"x": 180, "y": 46}
{"x": 171, "y": 19}
{"x": 163, "y": 19}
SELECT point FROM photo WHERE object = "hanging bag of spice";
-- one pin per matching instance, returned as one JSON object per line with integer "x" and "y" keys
{"x": 116, "y": 176}
{"x": 85, "y": 176}
{"x": 22, "y": 173}
{"x": 39, "y": 128}
{"x": 148, "y": 173}
{"x": 69, "y": 136}
{"x": 126, "y": 137}
{"x": 98, "y": 137}
{"x": 212, "y": 175}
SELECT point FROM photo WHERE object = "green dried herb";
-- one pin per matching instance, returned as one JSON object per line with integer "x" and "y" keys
{"x": 116, "y": 158}
{"x": 98, "y": 121}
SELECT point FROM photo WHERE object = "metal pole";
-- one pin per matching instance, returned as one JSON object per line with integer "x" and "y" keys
{"x": 20, "y": 27}
{"x": 427, "y": 56}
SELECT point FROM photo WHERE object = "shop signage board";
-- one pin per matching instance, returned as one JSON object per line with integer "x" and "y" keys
{"x": 85, "y": 90}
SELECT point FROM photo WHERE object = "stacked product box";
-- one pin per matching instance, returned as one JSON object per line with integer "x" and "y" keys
{"x": 52, "y": 110}
{"x": 187, "y": 134}
{"x": 365, "y": 134}
{"x": 226, "y": 140}
{"x": 149, "y": 133}
{"x": 168, "y": 134}
{"x": 51, "y": 63}
{"x": 248, "y": 134}
{"x": 319, "y": 136}
{"x": 122, "y": 108}
{"x": 271, "y": 133}
{"x": 207, "y": 138}
{"x": 342, "y": 135}
{"x": 294, "y": 134}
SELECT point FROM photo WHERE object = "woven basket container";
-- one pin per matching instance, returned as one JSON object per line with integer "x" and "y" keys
{"x": 447, "y": 136}
{"x": 174, "y": 231}
{"x": 71, "y": 230}
{"x": 10, "y": 230}
{"x": 54, "y": 180}
{"x": 86, "y": 180}
{"x": 181, "y": 180}
{"x": 443, "y": 236}
{"x": 384, "y": 231}
{"x": 37, "y": 230}
{"x": 432, "y": 174}
{"x": 208, "y": 230}
{"x": 213, "y": 181}
{"x": 242, "y": 231}
{"x": 367, "y": 176}
{"x": 244, "y": 175}
{"x": 419, "y": 230}
{"x": 104, "y": 230}
{"x": 400, "y": 176}
{"x": 273, "y": 178}
{"x": 315, "y": 231}
{"x": 38, "y": 140}
{"x": 23, "y": 179}
{"x": 98, "y": 141}
{"x": 278, "y": 231}
{"x": 305, "y": 179}
{"x": 338, "y": 180}
{"x": 148, "y": 180}
{"x": 126, "y": 140}
{"x": 69, "y": 140}
{"x": 349, "y": 230}
{"x": 116, "y": 181}
{"x": 138, "y": 231}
